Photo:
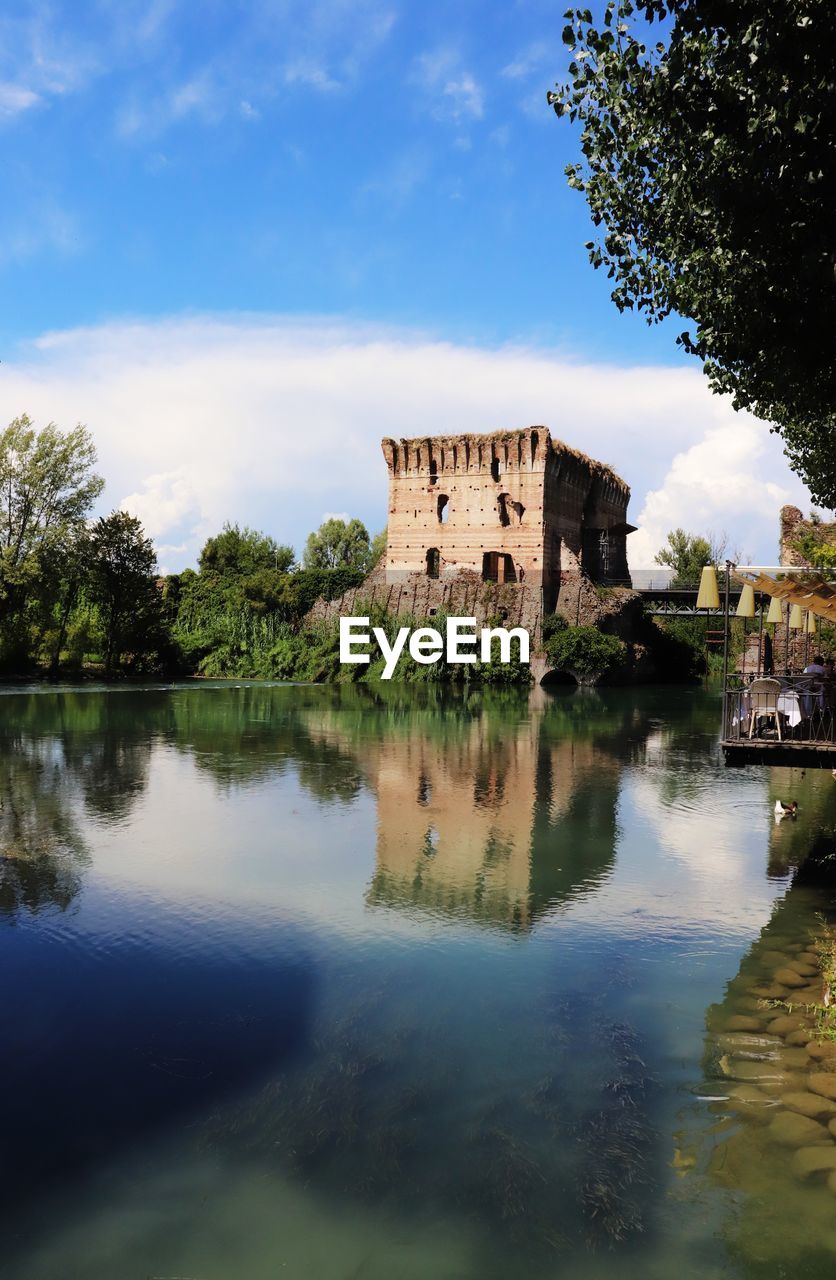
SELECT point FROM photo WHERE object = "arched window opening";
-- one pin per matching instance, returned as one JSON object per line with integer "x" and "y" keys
{"x": 502, "y": 504}
{"x": 433, "y": 562}
{"x": 495, "y": 468}
{"x": 433, "y": 471}
{"x": 535, "y": 440}
{"x": 443, "y": 507}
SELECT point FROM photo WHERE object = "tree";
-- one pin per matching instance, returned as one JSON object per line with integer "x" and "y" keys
{"x": 708, "y": 165}
{"x": 122, "y": 582}
{"x": 338, "y": 545}
{"x": 241, "y": 552}
{"x": 688, "y": 554}
{"x": 377, "y": 551}
{"x": 47, "y": 487}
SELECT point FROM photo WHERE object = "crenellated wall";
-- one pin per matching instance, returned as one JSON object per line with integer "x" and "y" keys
{"x": 511, "y": 507}
{"x": 466, "y": 496}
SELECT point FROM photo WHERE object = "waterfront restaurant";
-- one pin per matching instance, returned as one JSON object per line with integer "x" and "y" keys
{"x": 782, "y": 710}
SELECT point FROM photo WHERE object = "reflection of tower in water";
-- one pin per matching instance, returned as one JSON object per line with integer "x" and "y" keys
{"x": 492, "y": 828}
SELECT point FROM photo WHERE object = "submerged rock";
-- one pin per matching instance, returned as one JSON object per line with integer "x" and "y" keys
{"x": 742, "y": 1044}
{"x": 820, "y": 1050}
{"x": 763, "y": 1073}
{"x": 809, "y": 1104}
{"x": 799, "y": 1038}
{"x": 786, "y": 1022}
{"x": 793, "y": 1130}
{"x": 824, "y": 1083}
{"x": 806, "y": 970}
{"x": 794, "y": 1059}
{"x": 742, "y": 1022}
{"x": 810, "y": 1160}
{"x": 789, "y": 978}
{"x": 775, "y": 991}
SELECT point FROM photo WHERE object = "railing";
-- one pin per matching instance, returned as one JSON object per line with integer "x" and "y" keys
{"x": 794, "y": 709}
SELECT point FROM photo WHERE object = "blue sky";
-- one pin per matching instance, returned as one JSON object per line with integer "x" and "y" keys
{"x": 378, "y": 176}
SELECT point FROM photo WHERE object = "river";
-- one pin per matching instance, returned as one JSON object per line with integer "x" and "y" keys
{"x": 361, "y": 984}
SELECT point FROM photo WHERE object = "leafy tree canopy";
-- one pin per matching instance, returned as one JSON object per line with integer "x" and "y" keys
{"x": 378, "y": 547}
{"x": 47, "y": 487}
{"x": 121, "y": 581}
{"x": 338, "y": 544}
{"x": 688, "y": 554}
{"x": 708, "y": 165}
{"x": 240, "y": 552}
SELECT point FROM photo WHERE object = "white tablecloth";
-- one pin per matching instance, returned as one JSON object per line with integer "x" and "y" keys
{"x": 792, "y": 705}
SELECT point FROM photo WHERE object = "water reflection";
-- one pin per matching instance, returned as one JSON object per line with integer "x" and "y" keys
{"x": 769, "y": 1139}
{"x": 402, "y": 957}
{"x": 42, "y": 849}
{"x": 496, "y": 827}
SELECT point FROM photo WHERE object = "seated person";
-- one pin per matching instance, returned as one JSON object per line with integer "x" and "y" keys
{"x": 816, "y": 667}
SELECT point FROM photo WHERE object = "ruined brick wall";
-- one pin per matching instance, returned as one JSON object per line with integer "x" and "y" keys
{"x": 511, "y": 506}
{"x": 793, "y": 526}
{"x": 465, "y": 496}
{"x": 417, "y": 596}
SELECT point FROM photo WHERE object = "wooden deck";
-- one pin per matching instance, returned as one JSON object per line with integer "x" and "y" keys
{"x": 792, "y": 753}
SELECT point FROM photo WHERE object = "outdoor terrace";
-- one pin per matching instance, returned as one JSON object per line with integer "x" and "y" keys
{"x": 781, "y": 717}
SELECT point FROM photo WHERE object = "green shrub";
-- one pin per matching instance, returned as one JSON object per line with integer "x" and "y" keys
{"x": 553, "y": 625}
{"x": 586, "y": 653}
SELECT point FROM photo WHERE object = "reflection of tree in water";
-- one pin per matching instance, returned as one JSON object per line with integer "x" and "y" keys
{"x": 59, "y": 750}
{"x": 41, "y": 847}
{"x": 766, "y": 1130}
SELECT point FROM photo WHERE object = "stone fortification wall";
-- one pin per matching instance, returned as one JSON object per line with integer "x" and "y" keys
{"x": 793, "y": 526}
{"x": 511, "y": 506}
{"x": 464, "y": 496}
{"x": 465, "y": 596}
{"x": 583, "y": 499}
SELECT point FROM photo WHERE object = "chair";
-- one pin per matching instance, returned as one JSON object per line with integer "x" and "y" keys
{"x": 763, "y": 702}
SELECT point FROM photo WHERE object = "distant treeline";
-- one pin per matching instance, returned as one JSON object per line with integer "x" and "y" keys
{"x": 87, "y": 596}
{"x": 83, "y": 596}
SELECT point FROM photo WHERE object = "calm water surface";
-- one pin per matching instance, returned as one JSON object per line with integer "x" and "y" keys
{"x": 347, "y": 984}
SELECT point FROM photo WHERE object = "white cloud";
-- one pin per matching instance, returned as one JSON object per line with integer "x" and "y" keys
{"x": 451, "y": 91}
{"x": 731, "y": 470}
{"x": 312, "y": 75}
{"x": 527, "y": 61}
{"x": 271, "y": 421}
{"x": 164, "y": 503}
{"x": 16, "y": 98}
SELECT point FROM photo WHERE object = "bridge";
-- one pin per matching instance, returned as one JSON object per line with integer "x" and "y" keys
{"x": 664, "y": 601}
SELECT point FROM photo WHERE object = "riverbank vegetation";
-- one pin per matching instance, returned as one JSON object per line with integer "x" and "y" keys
{"x": 86, "y": 597}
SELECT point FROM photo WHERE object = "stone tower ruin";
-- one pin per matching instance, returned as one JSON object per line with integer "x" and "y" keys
{"x": 510, "y": 507}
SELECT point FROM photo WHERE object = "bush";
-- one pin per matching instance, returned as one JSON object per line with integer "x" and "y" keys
{"x": 553, "y": 625}
{"x": 586, "y": 653}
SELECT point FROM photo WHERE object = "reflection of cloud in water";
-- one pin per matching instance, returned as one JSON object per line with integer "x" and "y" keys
{"x": 701, "y": 838}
